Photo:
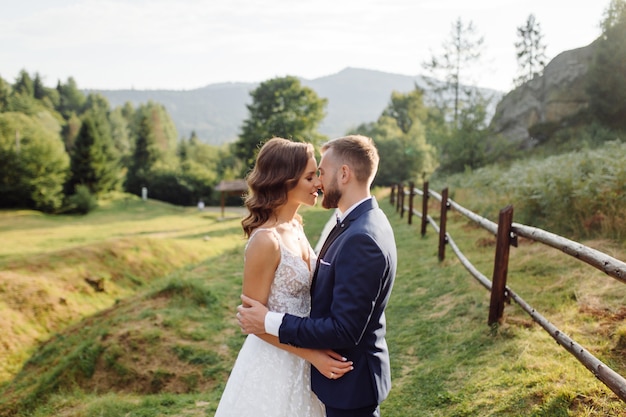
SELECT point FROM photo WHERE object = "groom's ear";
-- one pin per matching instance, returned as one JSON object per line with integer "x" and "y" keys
{"x": 344, "y": 174}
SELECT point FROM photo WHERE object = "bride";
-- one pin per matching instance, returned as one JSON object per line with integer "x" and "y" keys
{"x": 270, "y": 379}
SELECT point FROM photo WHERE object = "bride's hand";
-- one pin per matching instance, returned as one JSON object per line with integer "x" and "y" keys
{"x": 330, "y": 364}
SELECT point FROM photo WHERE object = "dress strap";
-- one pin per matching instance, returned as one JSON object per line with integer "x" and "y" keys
{"x": 271, "y": 229}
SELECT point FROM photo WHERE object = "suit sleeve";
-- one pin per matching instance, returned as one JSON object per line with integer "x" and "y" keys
{"x": 359, "y": 271}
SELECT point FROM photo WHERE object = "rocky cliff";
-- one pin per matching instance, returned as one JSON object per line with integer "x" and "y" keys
{"x": 549, "y": 98}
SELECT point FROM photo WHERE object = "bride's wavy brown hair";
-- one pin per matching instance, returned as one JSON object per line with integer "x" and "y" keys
{"x": 278, "y": 167}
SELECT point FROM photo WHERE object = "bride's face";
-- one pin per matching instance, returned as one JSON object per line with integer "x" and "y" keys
{"x": 305, "y": 191}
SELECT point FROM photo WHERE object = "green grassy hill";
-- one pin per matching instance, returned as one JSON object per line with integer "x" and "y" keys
{"x": 161, "y": 338}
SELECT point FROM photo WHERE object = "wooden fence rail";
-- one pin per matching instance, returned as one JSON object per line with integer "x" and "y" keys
{"x": 506, "y": 233}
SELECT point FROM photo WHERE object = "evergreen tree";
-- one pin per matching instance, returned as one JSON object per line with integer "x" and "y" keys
{"x": 121, "y": 135}
{"x": 145, "y": 157}
{"x": 128, "y": 111}
{"x": 531, "y": 57}
{"x": 39, "y": 90}
{"x": 154, "y": 163}
{"x": 607, "y": 83}
{"x": 460, "y": 51}
{"x": 70, "y": 131}
{"x": 471, "y": 145}
{"x": 22, "y": 97}
{"x": 5, "y": 93}
{"x": 24, "y": 85}
{"x": 163, "y": 128}
{"x": 94, "y": 162}
{"x": 96, "y": 102}
{"x": 71, "y": 99}
{"x": 49, "y": 97}
{"x": 185, "y": 150}
{"x": 613, "y": 15}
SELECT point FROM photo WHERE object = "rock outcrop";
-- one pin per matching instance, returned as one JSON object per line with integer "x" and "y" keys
{"x": 558, "y": 93}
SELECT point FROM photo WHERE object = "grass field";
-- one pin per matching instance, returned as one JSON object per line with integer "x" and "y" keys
{"x": 159, "y": 338}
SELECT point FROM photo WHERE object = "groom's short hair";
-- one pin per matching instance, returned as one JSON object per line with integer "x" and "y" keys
{"x": 358, "y": 152}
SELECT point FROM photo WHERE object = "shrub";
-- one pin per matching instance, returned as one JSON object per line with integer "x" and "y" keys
{"x": 83, "y": 201}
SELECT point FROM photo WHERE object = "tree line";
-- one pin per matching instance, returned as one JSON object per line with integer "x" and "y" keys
{"x": 61, "y": 149}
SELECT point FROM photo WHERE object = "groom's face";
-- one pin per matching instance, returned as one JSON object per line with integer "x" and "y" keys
{"x": 328, "y": 176}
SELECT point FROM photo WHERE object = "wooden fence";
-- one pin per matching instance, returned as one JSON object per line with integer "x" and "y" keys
{"x": 506, "y": 233}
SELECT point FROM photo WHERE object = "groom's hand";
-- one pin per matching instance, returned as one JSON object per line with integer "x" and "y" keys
{"x": 251, "y": 316}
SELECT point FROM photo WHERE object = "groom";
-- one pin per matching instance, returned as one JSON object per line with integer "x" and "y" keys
{"x": 351, "y": 286}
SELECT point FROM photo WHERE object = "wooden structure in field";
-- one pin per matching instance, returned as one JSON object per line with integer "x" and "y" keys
{"x": 230, "y": 187}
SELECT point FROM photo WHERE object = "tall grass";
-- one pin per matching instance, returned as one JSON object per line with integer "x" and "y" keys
{"x": 581, "y": 194}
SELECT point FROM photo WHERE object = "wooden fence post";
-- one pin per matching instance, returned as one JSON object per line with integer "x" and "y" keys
{"x": 398, "y": 188}
{"x": 499, "y": 294}
{"x": 411, "y": 195}
{"x": 442, "y": 224}
{"x": 392, "y": 196}
{"x": 425, "y": 197}
{"x": 401, "y": 195}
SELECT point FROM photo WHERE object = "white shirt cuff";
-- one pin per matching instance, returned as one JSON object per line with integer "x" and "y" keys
{"x": 273, "y": 321}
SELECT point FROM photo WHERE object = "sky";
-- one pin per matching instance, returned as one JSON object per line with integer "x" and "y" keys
{"x": 188, "y": 44}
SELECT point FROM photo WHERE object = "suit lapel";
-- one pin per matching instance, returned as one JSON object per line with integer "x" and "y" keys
{"x": 334, "y": 233}
{"x": 339, "y": 229}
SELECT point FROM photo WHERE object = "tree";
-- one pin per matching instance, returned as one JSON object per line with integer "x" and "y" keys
{"x": 96, "y": 102}
{"x": 120, "y": 133}
{"x": 22, "y": 97}
{"x": 280, "y": 107}
{"x": 5, "y": 94}
{"x": 94, "y": 161}
{"x": 145, "y": 156}
{"x": 39, "y": 90}
{"x": 614, "y": 14}
{"x": 531, "y": 57}
{"x": 198, "y": 168}
{"x": 24, "y": 84}
{"x": 399, "y": 134}
{"x": 123, "y": 131}
{"x": 407, "y": 109}
{"x": 154, "y": 163}
{"x": 606, "y": 82}
{"x": 471, "y": 145}
{"x": 164, "y": 130}
{"x": 463, "y": 48}
{"x": 49, "y": 97}
{"x": 34, "y": 163}
{"x": 71, "y": 99}
{"x": 70, "y": 131}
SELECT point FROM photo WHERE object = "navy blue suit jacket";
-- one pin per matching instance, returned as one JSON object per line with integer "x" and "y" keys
{"x": 350, "y": 291}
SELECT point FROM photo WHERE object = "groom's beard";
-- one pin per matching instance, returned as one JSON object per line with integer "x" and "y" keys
{"x": 331, "y": 197}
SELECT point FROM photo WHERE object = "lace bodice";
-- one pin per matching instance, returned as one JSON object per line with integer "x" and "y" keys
{"x": 289, "y": 292}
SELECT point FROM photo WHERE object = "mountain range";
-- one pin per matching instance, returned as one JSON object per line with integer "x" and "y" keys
{"x": 216, "y": 112}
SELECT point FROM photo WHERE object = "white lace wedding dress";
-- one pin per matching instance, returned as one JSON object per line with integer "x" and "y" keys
{"x": 267, "y": 381}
